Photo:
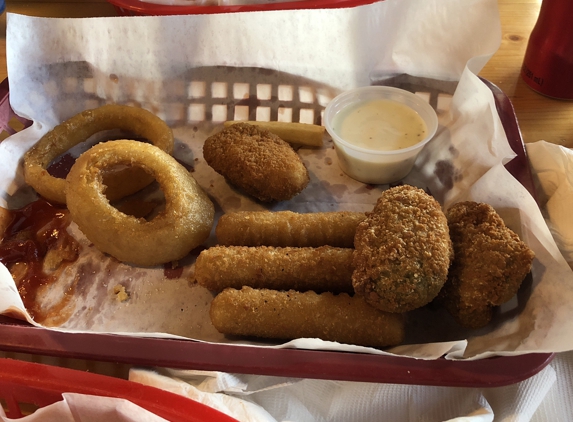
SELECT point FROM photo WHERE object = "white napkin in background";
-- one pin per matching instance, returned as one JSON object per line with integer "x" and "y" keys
{"x": 552, "y": 167}
{"x": 545, "y": 396}
{"x": 86, "y": 408}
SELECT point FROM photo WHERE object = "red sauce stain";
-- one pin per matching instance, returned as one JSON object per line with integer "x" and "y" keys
{"x": 171, "y": 272}
{"x": 32, "y": 233}
{"x": 61, "y": 167}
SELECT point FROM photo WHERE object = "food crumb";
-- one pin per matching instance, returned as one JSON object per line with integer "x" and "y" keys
{"x": 120, "y": 293}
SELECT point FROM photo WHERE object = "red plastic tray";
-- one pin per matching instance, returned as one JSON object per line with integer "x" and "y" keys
{"x": 139, "y": 8}
{"x": 498, "y": 371}
{"x": 24, "y": 383}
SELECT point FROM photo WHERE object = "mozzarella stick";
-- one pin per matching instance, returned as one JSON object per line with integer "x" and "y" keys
{"x": 289, "y": 315}
{"x": 287, "y": 228}
{"x": 319, "y": 269}
{"x": 294, "y": 133}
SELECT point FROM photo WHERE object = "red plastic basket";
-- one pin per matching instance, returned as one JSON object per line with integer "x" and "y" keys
{"x": 18, "y": 336}
{"x": 25, "y": 385}
{"x": 139, "y": 8}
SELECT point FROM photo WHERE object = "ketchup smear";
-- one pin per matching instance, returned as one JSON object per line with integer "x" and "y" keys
{"x": 33, "y": 231}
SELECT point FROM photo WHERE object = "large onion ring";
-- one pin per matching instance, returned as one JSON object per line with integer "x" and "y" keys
{"x": 78, "y": 129}
{"x": 184, "y": 224}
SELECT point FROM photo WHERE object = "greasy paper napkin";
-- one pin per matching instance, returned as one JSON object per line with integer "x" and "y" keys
{"x": 58, "y": 67}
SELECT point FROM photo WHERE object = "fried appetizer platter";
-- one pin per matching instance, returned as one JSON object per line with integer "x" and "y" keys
{"x": 257, "y": 162}
{"x": 489, "y": 266}
{"x": 322, "y": 269}
{"x": 403, "y": 251}
{"x": 403, "y": 260}
{"x": 348, "y": 277}
{"x": 287, "y": 228}
{"x": 292, "y": 314}
{"x": 290, "y": 292}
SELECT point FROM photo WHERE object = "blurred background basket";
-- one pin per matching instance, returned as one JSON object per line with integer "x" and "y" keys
{"x": 202, "y": 7}
{"x": 27, "y": 386}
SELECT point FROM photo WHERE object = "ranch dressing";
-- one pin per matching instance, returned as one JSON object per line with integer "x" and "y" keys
{"x": 381, "y": 125}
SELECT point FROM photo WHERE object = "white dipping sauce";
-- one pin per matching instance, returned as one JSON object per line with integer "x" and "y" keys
{"x": 381, "y": 125}
{"x": 378, "y": 132}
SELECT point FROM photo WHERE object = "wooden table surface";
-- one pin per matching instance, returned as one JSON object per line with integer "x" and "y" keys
{"x": 539, "y": 117}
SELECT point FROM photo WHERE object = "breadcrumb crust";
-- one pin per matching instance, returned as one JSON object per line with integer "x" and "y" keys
{"x": 489, "y": 266}
{"x": 257, "y": 162}
{"x": 403, "y": 251}
{"x": 291, "y": 314}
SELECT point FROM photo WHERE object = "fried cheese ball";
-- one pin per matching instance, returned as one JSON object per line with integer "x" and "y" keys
{"x": 402, "y": 251}
{"x": 256, "y": 161}
{"x": 489, "y": 266}
{"x": 320, "y": 269}
{"x": 290, "y": 314}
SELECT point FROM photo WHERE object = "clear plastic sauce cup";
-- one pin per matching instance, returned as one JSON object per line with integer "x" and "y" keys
{"x": 378, "y": 132}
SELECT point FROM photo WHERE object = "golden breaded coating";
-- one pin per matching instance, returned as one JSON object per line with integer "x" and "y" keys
{"x": 287, "y": 228}
{"x": 319, "y": 269}
{"x": 257, "y": 162}
{"x": 403, "y": 251}
{"x": 489, "y": 266}
{"x": 290, "y": 314}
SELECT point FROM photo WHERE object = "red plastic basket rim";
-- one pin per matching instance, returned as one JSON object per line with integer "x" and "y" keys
{"x": 144, "y": 8}
{"x": 42, "y": 385}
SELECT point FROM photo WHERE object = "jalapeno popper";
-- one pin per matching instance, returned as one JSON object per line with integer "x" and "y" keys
{"x": 403, "y": 251}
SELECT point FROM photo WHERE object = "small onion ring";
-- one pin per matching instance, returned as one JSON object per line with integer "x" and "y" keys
{"x": 78, "y": 129}
{"x": 184, "y": 224}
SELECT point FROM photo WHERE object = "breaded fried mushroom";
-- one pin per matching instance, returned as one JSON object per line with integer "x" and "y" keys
{"x": 402, "y": 251}
{"x": 489, "y": 266}
{"x": 256, "y": 161}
